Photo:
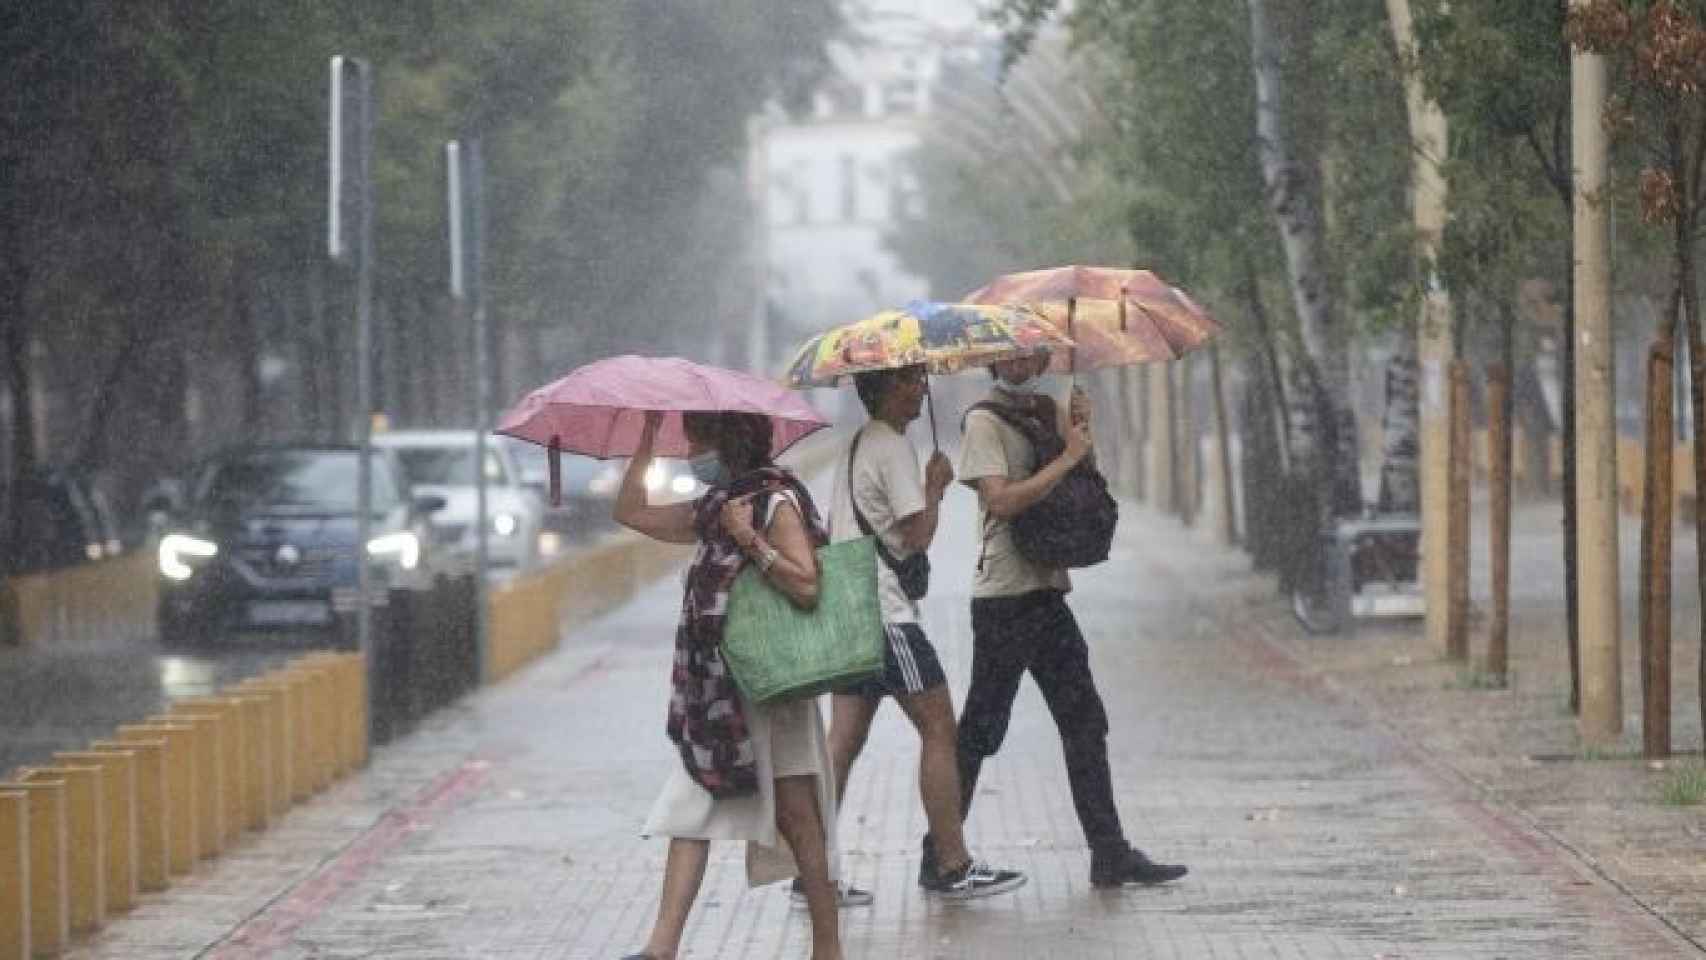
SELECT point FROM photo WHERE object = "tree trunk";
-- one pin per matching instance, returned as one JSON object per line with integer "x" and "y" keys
{"x": 1280, "y": 417}
{"x": 15, "y": 354}
{"x": 1223, "y": 446}
{"x": 1296, "y": 207}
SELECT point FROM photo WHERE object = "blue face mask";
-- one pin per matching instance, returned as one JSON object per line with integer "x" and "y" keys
{"x": 1021, "y": 389}
{"x": 708, "y": 469}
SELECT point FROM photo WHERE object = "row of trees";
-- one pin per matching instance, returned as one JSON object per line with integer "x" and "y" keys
{"x": 162, "y": 166}
{"x": 1262, "y": 154}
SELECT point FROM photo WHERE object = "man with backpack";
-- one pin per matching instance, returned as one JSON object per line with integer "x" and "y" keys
{"x": 1028, "y": 465}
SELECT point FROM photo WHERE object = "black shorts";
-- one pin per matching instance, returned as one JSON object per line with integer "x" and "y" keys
{"x": 909, "y": 666}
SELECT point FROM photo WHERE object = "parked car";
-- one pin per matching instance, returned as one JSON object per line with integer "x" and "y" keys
{"x": 268, "y": 540}
{"x": 441, "y": 462}
{"x": 589, "y": 488}
{"x": 65, "y": 522}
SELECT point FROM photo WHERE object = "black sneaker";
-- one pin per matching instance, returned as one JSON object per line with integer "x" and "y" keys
{"x": 847, "y": 895}
{"x": 975, "y": 879}
{"x": 927, "y": 865}
{"x": 1120, "y": 867}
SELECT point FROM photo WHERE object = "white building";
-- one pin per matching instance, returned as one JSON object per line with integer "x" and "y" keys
{"x": 834, "y": 182}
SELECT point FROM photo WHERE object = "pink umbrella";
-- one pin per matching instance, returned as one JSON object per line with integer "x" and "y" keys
{"x": 599, "y": 409}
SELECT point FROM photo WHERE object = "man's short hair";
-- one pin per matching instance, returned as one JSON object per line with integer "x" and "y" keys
{"x": 872, "y": 386}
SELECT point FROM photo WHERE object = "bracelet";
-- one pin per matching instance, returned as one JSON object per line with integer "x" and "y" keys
{"x": 767, "y": 559}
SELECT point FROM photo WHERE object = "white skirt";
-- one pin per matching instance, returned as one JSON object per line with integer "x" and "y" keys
{"x": 787, "y": 741}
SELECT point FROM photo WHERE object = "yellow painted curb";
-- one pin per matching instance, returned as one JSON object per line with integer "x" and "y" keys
{"x": 326, "y": 723}
{"x": 14, "y": 875}
{"x": 183, "y": 830}
{"x": 50, "y": 903}
{"x": 118, "y": 775}
{"x": 152, "y": 823}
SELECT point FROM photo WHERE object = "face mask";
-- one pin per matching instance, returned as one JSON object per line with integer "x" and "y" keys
{"x": 1024, "y": 389}
{"x": 708, "y": 469}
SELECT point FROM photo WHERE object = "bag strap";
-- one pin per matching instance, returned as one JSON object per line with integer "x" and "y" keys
{"x": 859, "y": 516}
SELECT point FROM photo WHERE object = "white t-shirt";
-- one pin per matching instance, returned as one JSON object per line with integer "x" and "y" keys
{"x": 991, "y": 448}
{"x": 889, "y": 483}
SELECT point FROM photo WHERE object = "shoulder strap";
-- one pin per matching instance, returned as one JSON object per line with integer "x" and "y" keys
{"x": 859, "y": 515}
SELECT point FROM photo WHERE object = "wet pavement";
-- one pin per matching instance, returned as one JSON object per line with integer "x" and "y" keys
{"x": 505, "y": 828}
{"x": 63, "y": 697}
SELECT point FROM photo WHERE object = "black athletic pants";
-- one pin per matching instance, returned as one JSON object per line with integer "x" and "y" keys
{"x": 1037, "y": 632}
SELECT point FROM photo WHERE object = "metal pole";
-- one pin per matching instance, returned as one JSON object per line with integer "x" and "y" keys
{"x": 482, "y": 403}
{"x": 364, "y": 365}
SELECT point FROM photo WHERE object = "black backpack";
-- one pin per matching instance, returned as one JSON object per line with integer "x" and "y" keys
{"x": 1073, "y": 524}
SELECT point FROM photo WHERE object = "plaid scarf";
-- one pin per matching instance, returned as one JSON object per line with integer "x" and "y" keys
{"x": 705, "y": 719}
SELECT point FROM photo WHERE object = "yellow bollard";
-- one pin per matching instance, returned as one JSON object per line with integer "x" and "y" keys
{"x": 275, "y": 700}
{"x": 257, "y": 759}
{"x": 14, "y": 875}
{"x": 236, "y": 787}
{"x": 183, "y": 830}
{"x": 118, "y": 773}
{"x": 340, "y": 671}
{"x": 304, "y": 772}
{"x": 152, "y": 823}
{"x": 328, "y": 729}
{"x": 209, "y": 780}
{"x": 85, "y": 841}
{"x": 50, "y": 905}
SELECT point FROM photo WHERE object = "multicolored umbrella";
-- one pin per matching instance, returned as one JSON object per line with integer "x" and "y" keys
{"x": 600, "y": 409}
{"x": 1115, "y": 317}
{"x": 944, "y": 337}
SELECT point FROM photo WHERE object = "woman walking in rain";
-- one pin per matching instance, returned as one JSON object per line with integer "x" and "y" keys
{"x": 754, "y": 774}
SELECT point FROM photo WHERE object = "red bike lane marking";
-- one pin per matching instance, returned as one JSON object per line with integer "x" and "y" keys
{"x": 276, "y": 924}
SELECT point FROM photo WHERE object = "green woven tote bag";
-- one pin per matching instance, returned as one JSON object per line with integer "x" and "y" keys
{"x": 777, "y": 651}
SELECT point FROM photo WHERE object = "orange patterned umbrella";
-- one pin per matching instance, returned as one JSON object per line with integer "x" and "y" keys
{"x": 1116, "y": 317}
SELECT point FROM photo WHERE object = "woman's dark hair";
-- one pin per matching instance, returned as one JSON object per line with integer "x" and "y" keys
{"x": 742, "y": 440}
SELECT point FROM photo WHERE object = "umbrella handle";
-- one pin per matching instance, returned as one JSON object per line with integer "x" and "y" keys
{"x": 554, "y": 458}
{"x": 930, "y": 405}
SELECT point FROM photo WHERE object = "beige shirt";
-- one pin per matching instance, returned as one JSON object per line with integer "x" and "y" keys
{"x": 889, "y": 484}
{"x": 991, "y": 448}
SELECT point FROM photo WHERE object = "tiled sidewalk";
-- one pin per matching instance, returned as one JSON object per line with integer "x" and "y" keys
{"x": 505, "y": 829}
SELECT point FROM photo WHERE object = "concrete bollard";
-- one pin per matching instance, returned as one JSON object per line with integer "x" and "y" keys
{"x": 14, "y": 875}
{"x": 328, "y": 725}
{"x": 275, "y": 701}
{"x": 257, "y": 760}
{"x": 307, "y": 776}
{"x": 118, "y": 774}
{"x": 152, "y": 823}
{"x": 183, "y": 830}
{"x": 347, "y": 721}
{"x": 301, "y": 733}
{"x": 209, "y": 779}
{"x": 235, "y": 787}
{"x": 85, "y": 841}
{"x": 50, "y": 904}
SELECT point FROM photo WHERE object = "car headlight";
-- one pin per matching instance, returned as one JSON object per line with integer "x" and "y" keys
{"x": 505, "y": 524}
{"x": 550, "y": 543}
{"x": 655, "y": 477}
{"x": 403, "y": 548}
{"x": 684, "y": 484}
{"x": 178, "y": 551}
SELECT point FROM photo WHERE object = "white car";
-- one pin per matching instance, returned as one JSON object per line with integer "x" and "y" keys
{"x": 441, "y": 462}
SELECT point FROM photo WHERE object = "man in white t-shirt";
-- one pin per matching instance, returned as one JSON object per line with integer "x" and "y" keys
{"x": 878, "y": 492}
{"x": 1021, "y": 622}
